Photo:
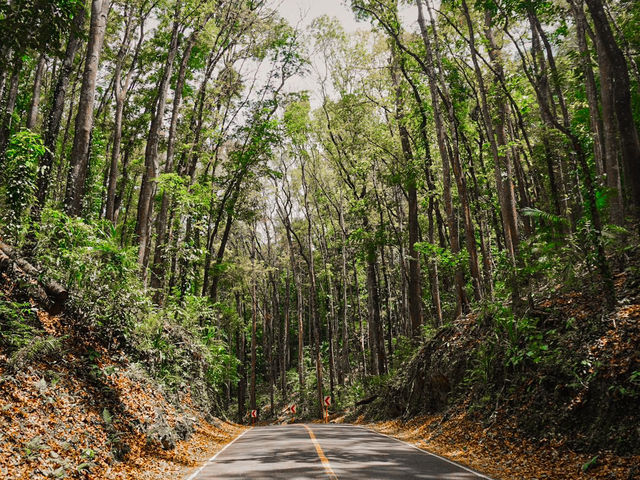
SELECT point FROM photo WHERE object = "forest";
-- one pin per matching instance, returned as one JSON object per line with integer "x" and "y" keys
{"x": 450, "y": 219}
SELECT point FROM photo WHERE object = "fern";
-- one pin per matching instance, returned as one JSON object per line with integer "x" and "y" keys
{"x": 546, "y": 216}
{"x": 38, "y": 347}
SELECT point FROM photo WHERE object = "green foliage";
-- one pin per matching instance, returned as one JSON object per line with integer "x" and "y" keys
{"x": 590, "y": 464}
{"x": 483, "y": 365}
{"x": 296, "y": 119}
{"x": 103, "y": 276}
{"x": 23, "y": 154}
{"x": 444, "y": 256}
{"x": 404, "y": 348}
{"x": 17, "y": 321}
{"x": 106, "y": 416}
{"x": 554, "y": 220}
{"x": 36, "y": 24}
{"x": 181, "y": 347}
{"x": 38, "y": 348}
{"x": 551, "y": 256}
{"x": 519, "y": 337}
{"x": 524, "y": 340}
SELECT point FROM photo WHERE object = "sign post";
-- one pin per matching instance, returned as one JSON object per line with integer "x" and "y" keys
{"x": 293, "y": 412}
{"x": 254, "y": 415}
{"x": 327, "y": 403}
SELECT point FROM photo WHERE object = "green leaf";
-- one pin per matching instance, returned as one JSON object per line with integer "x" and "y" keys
{"x": 591, "y": 463}
{"x": 107, "y": 417}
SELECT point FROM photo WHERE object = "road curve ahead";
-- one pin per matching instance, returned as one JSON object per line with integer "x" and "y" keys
{"x": 328, "y": 452}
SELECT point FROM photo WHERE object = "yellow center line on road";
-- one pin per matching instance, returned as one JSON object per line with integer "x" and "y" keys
{"x": 325, "y": 461}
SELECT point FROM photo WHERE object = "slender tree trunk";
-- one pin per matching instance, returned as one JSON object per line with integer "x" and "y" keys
{"x": 254, "y": 322}
{"x": 285, "y": 339}
{"x": 414, "y": 279}
{"x": 145, "y": 204}
{"x": 610, "y": 131}
{"x": 613, "y": 58}
{"x": 158, "y": 275}
{"x": 387, "y": 307}
{"x": 456, "y": 165}
{"x": 120, "y": 93}
{"x": 345, "y": 300}
{"x": 363, "y": 350}
{"x": 495, "y": 128}
{"x": 79, "y": 160}
{"x": 10, "y": 103}
{"x": 32, "y": 116}
{"x": 54, "y": 115}
{"x": 590, "y": 85}
{"x": 242, "y": 373}
{"x": 313, "y": 297}
{"x": 462, "y": 305}
{"x": 375, "y": 322}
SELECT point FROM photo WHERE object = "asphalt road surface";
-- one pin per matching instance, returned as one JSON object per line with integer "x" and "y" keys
{"x": 313, "y": 451}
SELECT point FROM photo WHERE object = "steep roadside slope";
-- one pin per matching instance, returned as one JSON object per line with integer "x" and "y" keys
{"x": 73, "y": 407}
{"x": 556, "y": 395}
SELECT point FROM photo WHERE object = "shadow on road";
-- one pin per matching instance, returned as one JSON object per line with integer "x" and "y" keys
{"x": 286, "y": 452}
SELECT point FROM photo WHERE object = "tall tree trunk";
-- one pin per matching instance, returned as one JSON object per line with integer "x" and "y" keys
{"x": 358, "y": 319}
{"x": 414, "y": 279}
{"x": 158, "y": 269}
{"x": 242, "y": 372}
{"x": 495, "y": 128}
{"x": 10, "y": 103}
{"x": 540, "y": 70}
{"x": 285, "y": 339}
{"x": 32, "y": 116}
{"x": 120, "y": 93}
{"x": 610, "y": 131}
{"x": 345, "y": 300}
{"x": 614, "y": 58}
{"x": 375, "y": 322}
{"x": 145, "y": 204}
{"x": 387, "y": 306}
{"x": 456, "y": 165}
{"x": 313, "y": 297}
{"x": 595, "y": 120}
{"x": 79, "y": 160}
{"x": 54, "y": 115}
{"x": 462, "y": 303}
{"x": 254, "y": 322}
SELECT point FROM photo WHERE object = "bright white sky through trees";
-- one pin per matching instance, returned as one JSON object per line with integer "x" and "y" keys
{"x": 307, "y": 10}
{"x": 301, "y": 13}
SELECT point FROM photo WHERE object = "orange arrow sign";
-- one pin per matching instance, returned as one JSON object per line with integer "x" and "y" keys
{"x": 327, "y": 400}
{"x": 293, "y": 408}
{"x": 254, "y": 414}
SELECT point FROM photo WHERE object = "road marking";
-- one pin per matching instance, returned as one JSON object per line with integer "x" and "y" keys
{"x": 325, "y": 461}
{"x": 197, "y": 472}
{"x": 427, "y": 452}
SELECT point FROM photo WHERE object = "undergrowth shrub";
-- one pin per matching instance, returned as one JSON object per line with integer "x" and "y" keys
{"x": 17, "y": 324}
{"x": 181, "y": 344}
{"x": 38, "y": 348}
{"x": 103, "y": 278}
{"x": 23, "y": 154}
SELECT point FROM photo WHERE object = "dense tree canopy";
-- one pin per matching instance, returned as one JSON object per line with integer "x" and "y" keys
{"x": 271, "y": 243}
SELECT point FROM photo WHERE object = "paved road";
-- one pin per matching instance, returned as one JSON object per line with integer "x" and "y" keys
{"x": 302, "y": 452}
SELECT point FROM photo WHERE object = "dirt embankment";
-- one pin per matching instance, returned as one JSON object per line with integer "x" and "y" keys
{"x": 559, "y": 394}
{"x": 502, "y": 452}
{"x": 67, "y": 416}
{"x": 71, "y": 408}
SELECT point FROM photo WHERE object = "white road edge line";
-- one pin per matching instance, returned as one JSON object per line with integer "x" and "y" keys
{"x": 197, "y": 472}
{"x": 427, "y": 452}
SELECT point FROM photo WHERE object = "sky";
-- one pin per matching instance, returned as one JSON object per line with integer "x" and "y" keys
{"x": 302, "y": 13}
{"x": 306, "y": 10}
